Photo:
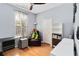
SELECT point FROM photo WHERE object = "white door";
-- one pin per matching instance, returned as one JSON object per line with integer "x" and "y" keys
{"x": 47, "y": 30}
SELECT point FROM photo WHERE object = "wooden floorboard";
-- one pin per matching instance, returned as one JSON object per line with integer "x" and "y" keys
{"x": 43, "y": 50}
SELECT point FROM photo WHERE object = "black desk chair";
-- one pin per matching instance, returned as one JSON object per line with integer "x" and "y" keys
{"x": 37, "y": 42}
{"x": 1, "y": 54}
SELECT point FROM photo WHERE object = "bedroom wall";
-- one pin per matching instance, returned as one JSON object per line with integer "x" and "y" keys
{"x": 62, "y": 13}
{"x": 7, "y": 21}
{"x": 31, "y": 21}
{"x": 31, "y": 16}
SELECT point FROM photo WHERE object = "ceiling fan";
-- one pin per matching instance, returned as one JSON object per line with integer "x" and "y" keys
{"x": 32, "y": 4}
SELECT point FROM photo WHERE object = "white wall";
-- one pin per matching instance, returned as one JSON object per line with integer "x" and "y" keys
{"x": 7, "y": 20}
{"x": 31, "y": 17}
{"x": 31, "y": 20}
{"x": 7, "y": 23}
{"x": 62, "y": 13}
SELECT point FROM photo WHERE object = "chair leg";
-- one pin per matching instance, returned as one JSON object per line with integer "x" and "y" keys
{"x": 1, "y": 54}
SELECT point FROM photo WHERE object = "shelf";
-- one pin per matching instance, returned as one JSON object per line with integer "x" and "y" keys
{"x": 55, "y": 38}
{"x": 57, "y": 28}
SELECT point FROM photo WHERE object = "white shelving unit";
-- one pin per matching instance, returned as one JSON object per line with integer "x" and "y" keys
{"x": 57, "y": 28}
{"x": 57, "y": 32}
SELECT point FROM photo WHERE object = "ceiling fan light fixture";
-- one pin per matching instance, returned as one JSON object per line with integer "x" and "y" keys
{"x": 32, "y": 4}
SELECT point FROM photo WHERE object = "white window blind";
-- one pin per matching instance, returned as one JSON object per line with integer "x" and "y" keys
{"x": 21, "y": 24}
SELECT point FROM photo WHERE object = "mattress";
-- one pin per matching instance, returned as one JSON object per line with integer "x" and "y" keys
{"x": 64, "y": 48}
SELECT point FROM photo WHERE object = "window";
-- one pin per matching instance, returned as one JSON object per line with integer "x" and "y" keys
{"x": 21, "y": 24}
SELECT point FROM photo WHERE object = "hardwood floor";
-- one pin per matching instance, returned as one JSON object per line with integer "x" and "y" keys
{"x": 43, "y": 50}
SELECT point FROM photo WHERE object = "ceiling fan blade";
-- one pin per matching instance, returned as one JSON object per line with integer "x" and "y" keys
{"x": 39, "y": 3}
{"x": 31, "y": 7}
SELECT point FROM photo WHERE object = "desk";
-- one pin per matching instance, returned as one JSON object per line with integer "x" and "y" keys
{"x": 7, "y": 43}
{"x": 56, "y": 38}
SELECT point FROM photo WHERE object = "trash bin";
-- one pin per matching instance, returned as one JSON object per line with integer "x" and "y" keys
{"x": 23, "y": 43}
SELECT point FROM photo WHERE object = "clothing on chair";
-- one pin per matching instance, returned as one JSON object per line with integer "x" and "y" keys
{"x": 35, "y": 35}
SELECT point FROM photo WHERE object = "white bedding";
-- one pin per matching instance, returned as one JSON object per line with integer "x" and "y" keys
{"x": 64, "y": 48}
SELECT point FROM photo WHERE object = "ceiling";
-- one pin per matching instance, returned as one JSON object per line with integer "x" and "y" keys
{"x": 37, "y": 8}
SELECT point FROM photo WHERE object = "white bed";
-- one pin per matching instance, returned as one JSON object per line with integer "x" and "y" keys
{"x": 64, "y": 48}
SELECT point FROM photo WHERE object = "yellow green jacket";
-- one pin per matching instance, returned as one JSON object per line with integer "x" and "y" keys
{"x": 34, "y": 35}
